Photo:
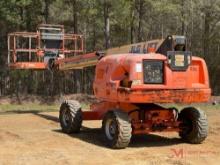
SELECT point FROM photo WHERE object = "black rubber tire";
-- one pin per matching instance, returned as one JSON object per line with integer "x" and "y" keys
{"x": 194, "y": 125}
{"x": 71, "y": 108}
{"x": 122, "y": 136}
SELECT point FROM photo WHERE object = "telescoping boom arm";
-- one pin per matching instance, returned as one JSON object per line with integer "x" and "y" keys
{"x": 51, "y": 48}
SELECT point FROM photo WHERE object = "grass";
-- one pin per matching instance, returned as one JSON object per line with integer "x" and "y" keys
{"x": 34, "y": 108}
{"x": 28, "y": 108}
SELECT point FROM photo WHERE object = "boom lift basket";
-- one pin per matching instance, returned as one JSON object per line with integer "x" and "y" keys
{"x": 28, "y": 50}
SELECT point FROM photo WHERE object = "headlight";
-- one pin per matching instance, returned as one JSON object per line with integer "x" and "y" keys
{"x": 153, "y": 72}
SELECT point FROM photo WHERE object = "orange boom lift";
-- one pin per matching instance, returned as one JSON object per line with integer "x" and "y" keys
{"x": 130, "y": 82}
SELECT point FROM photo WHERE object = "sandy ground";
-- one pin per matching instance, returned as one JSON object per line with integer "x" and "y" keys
{"x": 36, "y": 138}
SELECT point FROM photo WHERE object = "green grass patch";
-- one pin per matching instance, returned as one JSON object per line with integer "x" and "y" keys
{"x": 35, "y": 108}
{"x": 32, "y": 108}
{"x": 25, "y": 108}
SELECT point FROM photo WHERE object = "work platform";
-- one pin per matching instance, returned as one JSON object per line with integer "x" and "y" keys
{"x": 34, "y": 50}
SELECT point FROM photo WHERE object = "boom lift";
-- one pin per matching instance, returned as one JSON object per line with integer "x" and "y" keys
{"x": 130, "y": 84}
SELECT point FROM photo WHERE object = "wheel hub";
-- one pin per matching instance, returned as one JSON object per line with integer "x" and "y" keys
{"x": 66, "y": 117}
{"x": 110, "y": 129}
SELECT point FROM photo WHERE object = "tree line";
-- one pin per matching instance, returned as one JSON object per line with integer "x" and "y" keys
{"x": 106, "y": 24}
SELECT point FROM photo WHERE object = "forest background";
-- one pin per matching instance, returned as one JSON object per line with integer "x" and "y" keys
{"x": 106, "y": 24}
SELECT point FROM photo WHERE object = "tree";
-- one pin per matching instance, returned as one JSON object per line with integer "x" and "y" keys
{"x": 106, "y": 8}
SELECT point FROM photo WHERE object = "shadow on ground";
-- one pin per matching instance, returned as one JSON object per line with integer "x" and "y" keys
{"x": 95, "y": 136}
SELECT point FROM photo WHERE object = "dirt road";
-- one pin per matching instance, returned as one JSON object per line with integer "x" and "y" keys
{"x": 36, "y": 138}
